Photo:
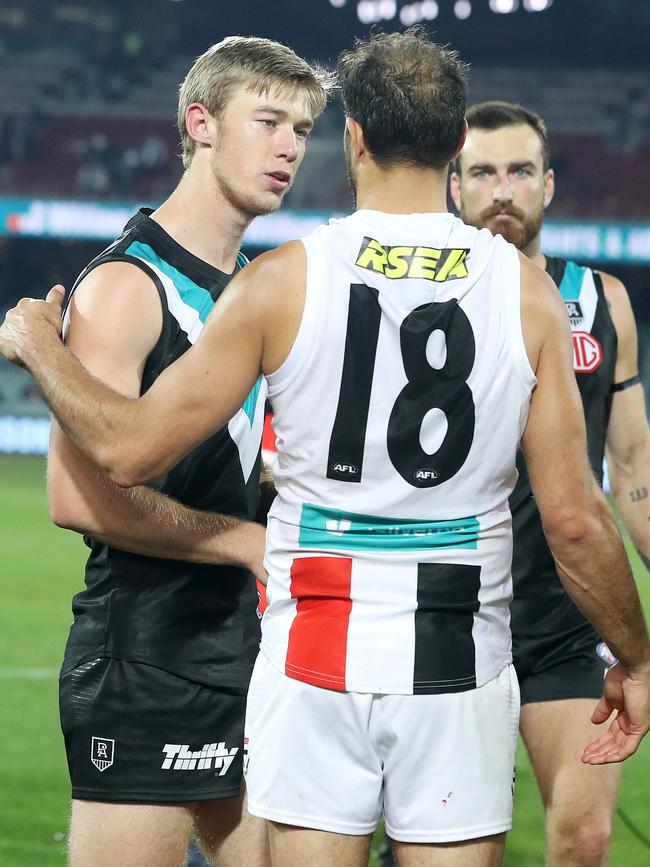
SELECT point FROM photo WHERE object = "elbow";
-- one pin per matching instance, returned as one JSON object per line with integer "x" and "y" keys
{"x": 567, "y": 526}
{"x": 65, "y": 520}
{"x": 68, "y": 515}
{"x": 126, "y": 467}
{"x": 126, "y": 474}
{"x": 121, "y": 465}
{"x": 576, "y": 523}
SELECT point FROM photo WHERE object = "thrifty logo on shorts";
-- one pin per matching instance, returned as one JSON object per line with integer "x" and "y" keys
{"x": 423, "y": 263}
{"x": 179, "y": 757}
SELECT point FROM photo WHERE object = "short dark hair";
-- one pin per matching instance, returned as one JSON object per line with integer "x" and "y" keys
{"x": 495, "y": 115}
{"x": 408, "y": 95}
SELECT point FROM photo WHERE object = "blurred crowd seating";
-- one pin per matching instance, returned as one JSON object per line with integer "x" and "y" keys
{"x": 101, "y": 124}
{"x": 18, "y": 395}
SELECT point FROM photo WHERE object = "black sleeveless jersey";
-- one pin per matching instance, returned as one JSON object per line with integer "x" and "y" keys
{"x": 193, "y": 620}
{"x": 540, "y": 604}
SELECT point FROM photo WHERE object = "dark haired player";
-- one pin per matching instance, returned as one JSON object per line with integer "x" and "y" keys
{"x": 502, "y": 180}
{"x": 401, "y": 348}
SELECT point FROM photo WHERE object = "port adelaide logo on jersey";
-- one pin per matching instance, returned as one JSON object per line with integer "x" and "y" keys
{"x": 574, "y": 312}
{"x": 423, "y": 263}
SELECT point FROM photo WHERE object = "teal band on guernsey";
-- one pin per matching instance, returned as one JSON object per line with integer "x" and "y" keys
{"x": 196, "y": 297}
{"x": 251, "y": 401}
{"x": 571, "y": 284}
{"x": 193, "y": 295}
{"x": 323, "y": 528}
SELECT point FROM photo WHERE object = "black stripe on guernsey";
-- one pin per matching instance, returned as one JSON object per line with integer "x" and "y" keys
{"x": 345, "y": 458}
{"x": 445, "y": 655}
{"x": 555, "y": 268}
{"x": 627, "y": 383}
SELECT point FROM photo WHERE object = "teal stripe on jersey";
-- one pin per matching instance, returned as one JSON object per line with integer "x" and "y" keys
{"x": 321, "y": 527}
{"x": 571, "y": 283}
{"x": 194, "y": 296}
{"x": 251, "y": 401}
{"x": 191, "y": 294}
{"x": 242, "y": 260}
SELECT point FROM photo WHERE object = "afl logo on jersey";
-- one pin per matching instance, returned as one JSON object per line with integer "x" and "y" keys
{"x": 423, "y": 475}
{"x": 587, "y": 352}
{"x": 348, "y": 469}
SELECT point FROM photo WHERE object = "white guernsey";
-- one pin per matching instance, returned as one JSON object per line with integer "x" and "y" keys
{"x": 389, "y": 543}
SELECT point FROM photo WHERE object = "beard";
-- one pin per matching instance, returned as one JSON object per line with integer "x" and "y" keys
{"x": 519, "y": 231}
{"x": 349, "y": 170}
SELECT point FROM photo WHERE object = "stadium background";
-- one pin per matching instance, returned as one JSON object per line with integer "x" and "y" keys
{"x": 87, "y": 134}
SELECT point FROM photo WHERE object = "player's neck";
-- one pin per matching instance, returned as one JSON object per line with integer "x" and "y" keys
{"x": 402, "y": 190}
{"x": 206, "y": 225}
{"x": 534, "y": 252}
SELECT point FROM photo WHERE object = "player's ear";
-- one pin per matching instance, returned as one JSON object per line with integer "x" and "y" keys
{"x": 355, "y": 132}
{"x": 549, "y": 187}
{"x": 199, "y": 121}
{"x": 454, "y": 189}
{"x": 461, "y": 141}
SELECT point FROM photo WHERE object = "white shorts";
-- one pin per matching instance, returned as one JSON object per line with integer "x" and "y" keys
{"x": 439, "y": 766}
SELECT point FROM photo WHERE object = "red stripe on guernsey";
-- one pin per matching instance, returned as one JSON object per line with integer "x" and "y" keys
{"x": 261, "y": 598}
{"x": 318, "y": 637}
{"x": 268, "y": 434}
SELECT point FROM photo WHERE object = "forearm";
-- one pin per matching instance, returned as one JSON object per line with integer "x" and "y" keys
{"x": 143, "y": 521}
{"x": 631, "y": 489}
{"x": 595, "y": 571}
{"x": 88, "y": 410}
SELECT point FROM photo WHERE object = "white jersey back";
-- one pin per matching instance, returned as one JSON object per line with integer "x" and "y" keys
{"x": 398, "y": 413}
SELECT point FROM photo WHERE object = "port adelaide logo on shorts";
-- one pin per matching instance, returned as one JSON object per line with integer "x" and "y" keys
{"x": 102, "y": 751}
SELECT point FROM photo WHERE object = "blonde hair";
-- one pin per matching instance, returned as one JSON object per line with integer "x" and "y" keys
{"x": 258, "y": 64}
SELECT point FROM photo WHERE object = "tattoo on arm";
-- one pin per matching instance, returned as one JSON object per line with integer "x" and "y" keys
{"x": 638, "y": 495}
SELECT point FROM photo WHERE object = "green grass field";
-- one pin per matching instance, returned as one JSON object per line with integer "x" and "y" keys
{"x": 41, "y": 568}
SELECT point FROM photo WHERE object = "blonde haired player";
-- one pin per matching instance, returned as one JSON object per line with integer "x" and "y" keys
{"x": 406, "y": 355}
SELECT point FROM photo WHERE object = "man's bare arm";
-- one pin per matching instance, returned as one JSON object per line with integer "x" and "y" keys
{"x": 115, "y": 321}
{"x": 628, "y": 434}
{"x": 579, "y": 526}
{"x": 135, "y": 440}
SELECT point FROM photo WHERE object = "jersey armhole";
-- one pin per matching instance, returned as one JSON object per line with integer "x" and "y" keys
{"x": 303, "y": 347}
{"x": 513, "y": 327}
{"x": 156, "y": 354}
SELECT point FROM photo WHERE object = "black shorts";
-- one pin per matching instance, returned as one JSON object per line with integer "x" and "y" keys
{"x": 134, "y": 732}
{"x": 563, "y": 665}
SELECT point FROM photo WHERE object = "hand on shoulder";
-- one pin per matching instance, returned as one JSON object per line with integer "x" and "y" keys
{"x": 31, "y": 326}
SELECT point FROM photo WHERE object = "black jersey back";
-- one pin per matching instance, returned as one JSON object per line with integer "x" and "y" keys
{"x": 540, "y": 605}
{"x": 193, "y": 620}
